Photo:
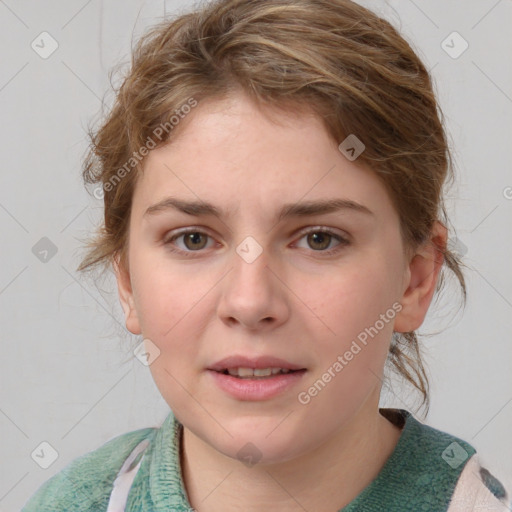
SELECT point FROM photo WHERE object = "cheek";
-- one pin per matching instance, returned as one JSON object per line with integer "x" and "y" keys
{"x": 172, "y": 313}
{"x": 174, "y": 307}
{"x": 163, "y": 296}
{"x": 358, "y": 309}
{"x": 351, "y": 298}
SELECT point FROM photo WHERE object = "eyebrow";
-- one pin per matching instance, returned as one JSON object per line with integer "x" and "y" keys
{"x": 302, "y": 209}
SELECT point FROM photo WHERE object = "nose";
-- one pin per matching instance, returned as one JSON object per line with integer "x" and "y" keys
{"x": 253, "y": 295}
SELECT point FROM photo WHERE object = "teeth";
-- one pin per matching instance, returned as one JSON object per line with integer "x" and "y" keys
{"x": 262, "y": 372}
{"x": 245, "y": 372}
{"x": 256, "y": 372}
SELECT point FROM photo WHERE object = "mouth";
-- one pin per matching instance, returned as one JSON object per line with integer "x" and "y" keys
{"x": 260, "y": 367}
{"x": 258, "y": 373}
{"x": 257, "y": 378}
{"x": 246, "y": 383}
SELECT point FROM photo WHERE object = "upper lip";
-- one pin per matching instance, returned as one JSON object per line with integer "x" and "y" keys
{"x": 237, "y": 361}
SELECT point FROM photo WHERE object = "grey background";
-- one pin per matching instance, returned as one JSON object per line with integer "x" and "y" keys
{"x": 68, "y": 375}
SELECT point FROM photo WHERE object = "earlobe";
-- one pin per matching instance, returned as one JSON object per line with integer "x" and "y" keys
{"x": 421, "y": 280}
{"x": 126, "y": 296}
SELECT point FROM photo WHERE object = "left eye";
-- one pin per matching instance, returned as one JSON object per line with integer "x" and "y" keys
{"x": 320, "y": 240}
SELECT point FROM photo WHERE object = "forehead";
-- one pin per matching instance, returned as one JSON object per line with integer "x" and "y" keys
{"x": 232, "y": 153}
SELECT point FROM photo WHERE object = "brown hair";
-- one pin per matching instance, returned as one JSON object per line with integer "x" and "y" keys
{"x": 348, "y": 65}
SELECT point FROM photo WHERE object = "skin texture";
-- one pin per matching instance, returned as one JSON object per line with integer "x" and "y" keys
{"x": 293, "y": 302}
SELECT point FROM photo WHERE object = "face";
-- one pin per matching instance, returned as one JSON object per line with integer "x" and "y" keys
{"x": 266, "y": 270}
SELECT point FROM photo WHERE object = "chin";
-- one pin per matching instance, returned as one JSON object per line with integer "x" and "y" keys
{"x": 257, "y": 442}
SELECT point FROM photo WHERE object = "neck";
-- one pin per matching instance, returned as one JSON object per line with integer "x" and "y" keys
{"x": 324, "y": 480}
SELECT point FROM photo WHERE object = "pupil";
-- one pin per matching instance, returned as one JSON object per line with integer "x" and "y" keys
{"x": 194, "y": 238}
{"x": 318, "y": 238}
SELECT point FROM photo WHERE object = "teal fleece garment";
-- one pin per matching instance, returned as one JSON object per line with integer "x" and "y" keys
{"x": 416, "y": 477}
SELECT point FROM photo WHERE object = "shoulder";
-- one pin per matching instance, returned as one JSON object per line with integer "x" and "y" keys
{"x": 86, "y": 483}
{"x": 478, "y": 489}
{"x": 451, "y": 467}
{"x": 421, "y": 473}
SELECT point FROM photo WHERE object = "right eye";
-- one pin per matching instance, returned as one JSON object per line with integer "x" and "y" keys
{"x": 193, "y": 240}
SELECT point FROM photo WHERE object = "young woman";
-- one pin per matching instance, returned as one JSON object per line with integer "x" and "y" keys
{"x": 272, "y": 174}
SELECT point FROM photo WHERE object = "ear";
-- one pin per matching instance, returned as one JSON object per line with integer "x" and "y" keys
{"x": 124, "y": 288}
{"x": 421, "y": 280}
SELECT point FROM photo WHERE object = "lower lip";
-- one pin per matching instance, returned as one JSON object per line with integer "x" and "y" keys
{"x": 256, "y": 389}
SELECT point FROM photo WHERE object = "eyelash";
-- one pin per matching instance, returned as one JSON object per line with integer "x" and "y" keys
{"x": 343, "y": 242}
